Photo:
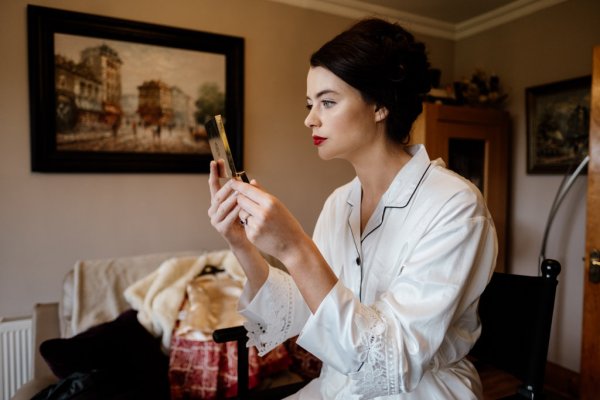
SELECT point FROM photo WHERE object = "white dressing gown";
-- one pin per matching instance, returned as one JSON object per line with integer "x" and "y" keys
{"x": 403, "y": 315}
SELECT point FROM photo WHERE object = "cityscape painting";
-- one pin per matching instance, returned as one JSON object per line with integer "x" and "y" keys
{"x": 122, "y": 96}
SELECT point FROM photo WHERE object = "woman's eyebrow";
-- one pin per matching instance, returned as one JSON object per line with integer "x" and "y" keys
{"x": 322, "y": 93}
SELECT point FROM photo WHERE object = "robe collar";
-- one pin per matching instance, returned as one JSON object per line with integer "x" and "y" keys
{"x": 404, "y": 184}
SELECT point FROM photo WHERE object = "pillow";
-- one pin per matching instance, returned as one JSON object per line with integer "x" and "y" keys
{"x": 122, "y": 347}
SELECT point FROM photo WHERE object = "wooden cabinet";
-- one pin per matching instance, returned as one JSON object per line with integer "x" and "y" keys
{"x": 475, "y": 143}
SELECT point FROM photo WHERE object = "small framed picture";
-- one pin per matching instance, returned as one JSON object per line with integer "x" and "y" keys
{"x": 558, "y": 122}
{"x": 113, "y": 95}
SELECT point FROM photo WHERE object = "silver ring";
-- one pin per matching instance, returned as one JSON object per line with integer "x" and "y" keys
{"x": 244, "y": 221}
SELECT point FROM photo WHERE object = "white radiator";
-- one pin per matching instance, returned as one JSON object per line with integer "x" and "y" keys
{"x": 15, "y": 356}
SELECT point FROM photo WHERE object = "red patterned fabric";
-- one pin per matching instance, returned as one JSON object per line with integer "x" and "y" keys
{"x": 303, "y": 362}
{"x": 205, "y": 370}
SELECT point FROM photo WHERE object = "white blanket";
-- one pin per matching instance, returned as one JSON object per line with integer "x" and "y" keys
{"x": 93, "y": 290}
{"x": 158, "y": 296}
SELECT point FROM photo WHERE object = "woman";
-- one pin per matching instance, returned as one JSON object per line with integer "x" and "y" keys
{"x": 386, "y": 291}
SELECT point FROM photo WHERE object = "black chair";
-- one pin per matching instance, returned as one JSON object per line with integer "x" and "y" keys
{"x": 239, "y": 335}
{"x": 516, "y": 317}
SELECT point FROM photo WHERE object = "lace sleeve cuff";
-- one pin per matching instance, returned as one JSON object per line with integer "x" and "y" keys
{"x": 270, "y": 314}
{"x": 359, "y": 343}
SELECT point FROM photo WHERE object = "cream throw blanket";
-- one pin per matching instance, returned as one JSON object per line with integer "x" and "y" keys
{"x": 93, "y": 289}
{"x": 158, "y": 297}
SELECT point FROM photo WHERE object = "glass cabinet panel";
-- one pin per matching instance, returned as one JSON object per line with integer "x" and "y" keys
{"x": 467, "y": 158}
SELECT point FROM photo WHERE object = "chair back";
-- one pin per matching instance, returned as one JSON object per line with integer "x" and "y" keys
{"x": 516, "y": 317}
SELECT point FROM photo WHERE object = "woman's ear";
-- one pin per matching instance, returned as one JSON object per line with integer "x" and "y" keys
{"x": 381, "y": 113}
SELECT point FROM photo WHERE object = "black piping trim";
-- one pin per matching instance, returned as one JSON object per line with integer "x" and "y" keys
{"x": 405, "y": 205}
{"x": 374, "y": 229}
{"x": 361, "y": 261}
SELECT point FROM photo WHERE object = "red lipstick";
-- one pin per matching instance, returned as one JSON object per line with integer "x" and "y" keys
{"x": 317, "y": 140}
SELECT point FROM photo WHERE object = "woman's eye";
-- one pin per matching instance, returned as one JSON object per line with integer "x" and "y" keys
{"x": 328, "y": 103}
{"x": 309, "y": 106}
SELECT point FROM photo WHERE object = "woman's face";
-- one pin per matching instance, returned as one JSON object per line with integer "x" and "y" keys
{"x": 343, "y": 125}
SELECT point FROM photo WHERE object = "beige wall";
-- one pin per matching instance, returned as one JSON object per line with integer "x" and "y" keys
{"x": 549, "y": 46}
{"x": 48, "y": 221}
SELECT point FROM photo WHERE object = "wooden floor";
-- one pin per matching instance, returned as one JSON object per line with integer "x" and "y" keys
{"x": 498, "y": 384}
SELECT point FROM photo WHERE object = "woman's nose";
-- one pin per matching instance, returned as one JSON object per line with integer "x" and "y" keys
{"x": 311, "y": 119}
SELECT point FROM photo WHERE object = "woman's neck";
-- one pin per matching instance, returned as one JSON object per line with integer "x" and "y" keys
{"x": 376, "y": 173}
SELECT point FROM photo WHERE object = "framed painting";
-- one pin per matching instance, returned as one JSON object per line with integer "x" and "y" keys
{"x": 558, "y": 122}
{"x": 114, "y": 95}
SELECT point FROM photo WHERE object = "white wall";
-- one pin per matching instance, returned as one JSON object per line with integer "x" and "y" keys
{"x": 552, "y": 45}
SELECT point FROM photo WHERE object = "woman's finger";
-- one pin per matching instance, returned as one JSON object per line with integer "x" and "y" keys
{"x": 232, "y": 218}
{"x": 251, "y": 191}
{"x": 213, "y": 179}
{"x": 223, "y": 193}
{"x": 255, "y": 183}
{"x": 249, "y": 207}
{"x": 243, "y": 214}
{"x": 223, "y": 208}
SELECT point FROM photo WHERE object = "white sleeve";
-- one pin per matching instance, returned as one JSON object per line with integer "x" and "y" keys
{"x": 276, "y": 313}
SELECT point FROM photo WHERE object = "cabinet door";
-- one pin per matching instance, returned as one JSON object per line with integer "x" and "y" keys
{"x": 473, "y": 142}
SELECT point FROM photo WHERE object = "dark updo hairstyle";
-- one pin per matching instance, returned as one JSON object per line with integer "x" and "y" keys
{"x": 386, "y": 65}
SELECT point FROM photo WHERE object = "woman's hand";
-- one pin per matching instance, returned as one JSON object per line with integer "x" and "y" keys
{"x": 272, "y": 228}
{"x": 224, "y": 210}
{"x": 268, "y": 224}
